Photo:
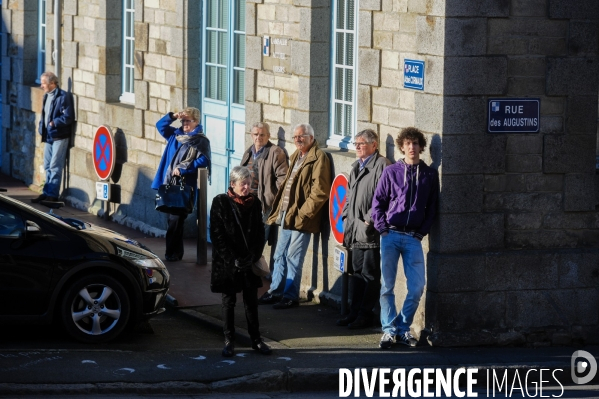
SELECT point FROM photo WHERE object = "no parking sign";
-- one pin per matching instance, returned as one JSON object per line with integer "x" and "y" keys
{"x": 337, "y": 200}
{"x": 103, "y": 152}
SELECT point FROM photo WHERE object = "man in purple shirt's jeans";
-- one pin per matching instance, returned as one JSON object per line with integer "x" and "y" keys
{"x": 403, "y": 210}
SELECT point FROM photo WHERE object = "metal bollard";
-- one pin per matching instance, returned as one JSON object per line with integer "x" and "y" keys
{"x": 202, "y": 207}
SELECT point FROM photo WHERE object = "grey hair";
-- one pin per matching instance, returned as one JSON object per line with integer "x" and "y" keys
{"x": 306, "y": 128}
{"x": 192, "y": 113}
{"x": 239, "y": 173}
{"x": 262, "y": 125}
{"x": 50, "y": 77}
{"x": 369, "y": 135}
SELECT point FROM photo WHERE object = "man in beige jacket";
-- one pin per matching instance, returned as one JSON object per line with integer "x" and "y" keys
{"x": 298, "y": 207}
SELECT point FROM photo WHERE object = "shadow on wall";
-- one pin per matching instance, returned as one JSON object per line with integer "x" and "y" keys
{"x": 66, "y": 172}
{"x": 281, "y": 141}
{"x": 320, "y": 248}
{"x": 136, "y": 198}
{"x": 436, "y": 152}
{"x": 390, "y": 149}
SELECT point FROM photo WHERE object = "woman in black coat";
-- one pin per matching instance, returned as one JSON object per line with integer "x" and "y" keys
{"x": 232, "y": 259}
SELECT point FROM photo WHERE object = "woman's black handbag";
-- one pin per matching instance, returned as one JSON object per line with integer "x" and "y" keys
{"x": 176, "y": 199}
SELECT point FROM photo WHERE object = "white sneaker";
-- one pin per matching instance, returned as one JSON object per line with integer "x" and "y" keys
{"x": 386, "y": 341}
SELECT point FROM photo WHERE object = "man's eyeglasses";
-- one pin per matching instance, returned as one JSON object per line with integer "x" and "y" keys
{"x": 299, "y": 137}
{"x": 359, "y": 144}
{"x": 186, "y": 120}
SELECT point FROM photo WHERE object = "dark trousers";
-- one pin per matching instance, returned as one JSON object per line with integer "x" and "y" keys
{"x": 366, "y": 281}
{"x": 250, "y": 302}
{"x": 174, "y": 235}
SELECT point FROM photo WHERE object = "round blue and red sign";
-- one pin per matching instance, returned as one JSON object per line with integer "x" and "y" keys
{"x": 337, "y": 200}
{"x": 103, "y": 152}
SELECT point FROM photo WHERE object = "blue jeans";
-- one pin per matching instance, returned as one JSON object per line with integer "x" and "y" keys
{"x": 393, "y": 245}
{"x": 55, "y": 156}
{"x": 289, "y": 258}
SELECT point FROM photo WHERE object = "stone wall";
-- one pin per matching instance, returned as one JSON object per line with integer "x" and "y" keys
{"x": 515, "y": 251}
{"x": 20, "y": 94}
{"x": 167, "y": 46}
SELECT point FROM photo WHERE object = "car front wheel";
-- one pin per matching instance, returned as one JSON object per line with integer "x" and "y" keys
{"x": 95, "y": 309}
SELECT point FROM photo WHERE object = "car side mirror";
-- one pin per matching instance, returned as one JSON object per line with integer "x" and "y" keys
{"x": 32, "y": 227}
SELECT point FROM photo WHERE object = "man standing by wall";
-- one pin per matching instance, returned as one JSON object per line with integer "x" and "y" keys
{"x": 268, "y": 165}
{"x": 403, "y": 210}
{"x": 298, "y": 206}
{"x": 55, "y": 127}
{"x": 360, "y": 236}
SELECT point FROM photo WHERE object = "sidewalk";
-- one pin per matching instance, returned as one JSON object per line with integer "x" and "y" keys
{"x": 310, "y": 329}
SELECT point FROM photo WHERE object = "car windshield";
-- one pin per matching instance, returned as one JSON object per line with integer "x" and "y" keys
{"x": 46, "y": 216}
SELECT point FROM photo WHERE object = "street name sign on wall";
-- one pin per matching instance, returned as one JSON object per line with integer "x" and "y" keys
{"x": 514, "y": 115}
{"x": 337, "y": 199}
{"x": 103, "y": 152}
{"x": 413, "y": 74}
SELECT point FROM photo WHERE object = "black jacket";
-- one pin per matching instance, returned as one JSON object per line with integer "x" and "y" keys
{"x": 357, "y": 209}
{"x": 228, "y": 244}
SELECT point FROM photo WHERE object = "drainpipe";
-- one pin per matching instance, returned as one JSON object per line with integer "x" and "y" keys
{"x": 57, "y": 36}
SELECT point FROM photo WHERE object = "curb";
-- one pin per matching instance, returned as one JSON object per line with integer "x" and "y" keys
{"x": 292, "y": 380}
{"x": 242, "y": 335}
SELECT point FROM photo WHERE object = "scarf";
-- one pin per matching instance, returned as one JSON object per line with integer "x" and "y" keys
{"x": 245, "y": 201}
{"x": 192, "y": 146}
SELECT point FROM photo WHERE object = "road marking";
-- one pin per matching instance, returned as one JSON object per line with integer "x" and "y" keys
{"x": 198, "y": 358}
{"x": 121, "y": 371}
{"x": 228, "y": 362}
{"x": 162, "y": 366}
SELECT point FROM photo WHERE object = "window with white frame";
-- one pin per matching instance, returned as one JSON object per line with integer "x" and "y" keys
{"x": 344, "y": 74}
{"x": 41, "y": 39}
{"x": 128, "y": 67}
{"x": 239, "y": 53}
{"x": 216, "y": 49}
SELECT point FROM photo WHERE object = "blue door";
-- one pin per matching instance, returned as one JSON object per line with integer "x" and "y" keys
{"x": 223, "y": 74}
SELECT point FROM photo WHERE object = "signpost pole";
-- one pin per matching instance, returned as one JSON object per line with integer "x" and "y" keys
{"x": 338, "y": 197}
{"x": 202, "y": 206}
{"x": 344, "y": 293}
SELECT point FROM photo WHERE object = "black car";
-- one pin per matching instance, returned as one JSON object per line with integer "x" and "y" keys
{"x": 94, "y": 280}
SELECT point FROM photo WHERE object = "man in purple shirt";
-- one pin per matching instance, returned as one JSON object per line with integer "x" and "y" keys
{"x": 403, "y": 211}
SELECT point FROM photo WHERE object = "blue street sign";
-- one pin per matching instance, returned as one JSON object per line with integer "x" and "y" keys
{"x": 340, "y": 258}
{"x": 413, "y": 74}
{"x": 514, "y": 115}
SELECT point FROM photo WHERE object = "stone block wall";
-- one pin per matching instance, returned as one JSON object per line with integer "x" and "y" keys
{"x": 20, "y": 94}
{"x": 167, "y": 48}
{"x": 517, "y": 239}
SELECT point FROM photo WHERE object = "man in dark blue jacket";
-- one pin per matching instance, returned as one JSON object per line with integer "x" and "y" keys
{"x": 55, "y": 127}
{"x": 403, "y": 210}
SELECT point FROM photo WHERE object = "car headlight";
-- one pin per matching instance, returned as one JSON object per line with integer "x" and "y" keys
{"x": 149, "y": 263}
{"x": 140, "y": 260}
